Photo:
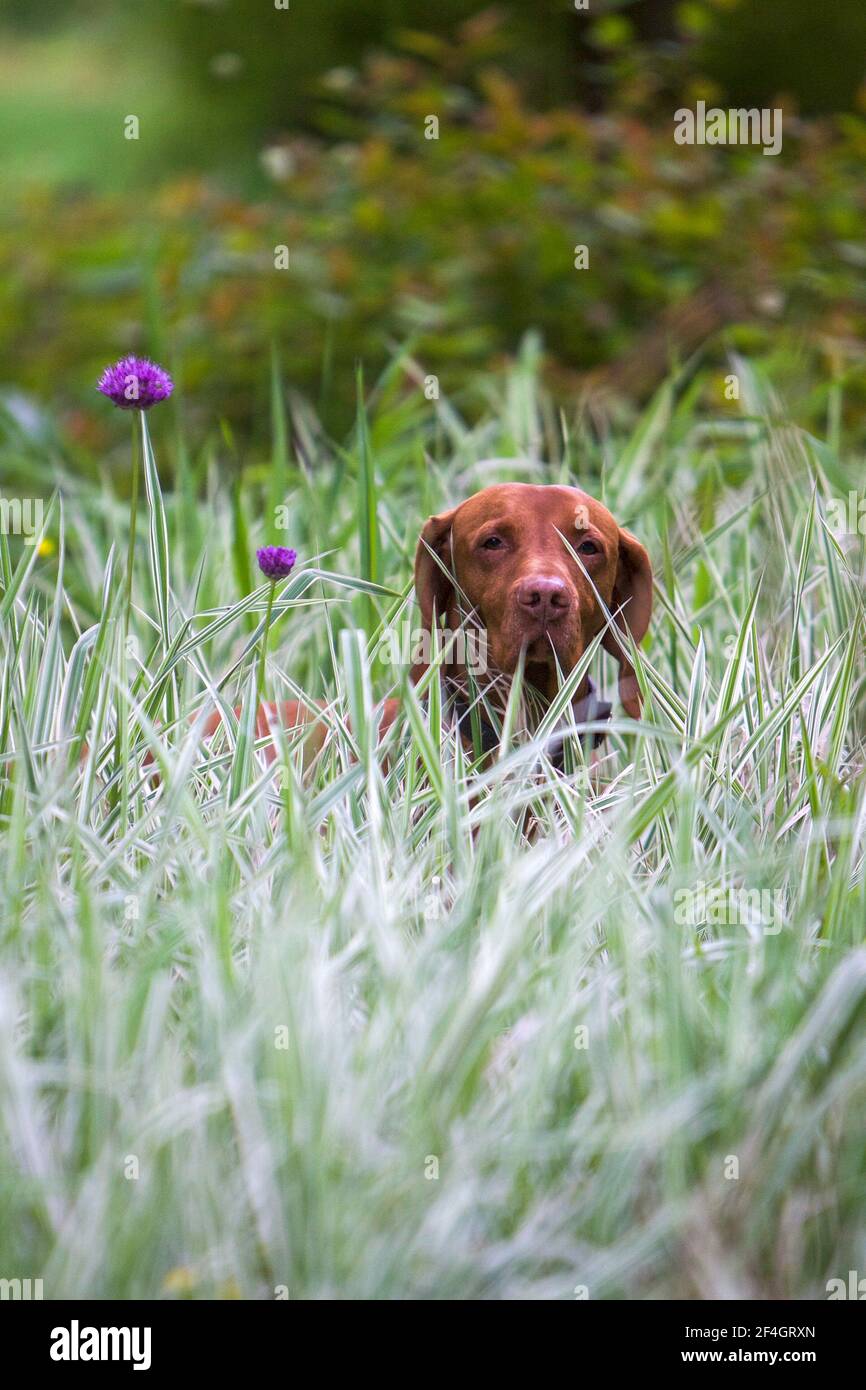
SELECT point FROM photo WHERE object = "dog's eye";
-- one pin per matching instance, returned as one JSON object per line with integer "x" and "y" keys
{"x": 588, "y": 548}
{"x": 492, "y": 543}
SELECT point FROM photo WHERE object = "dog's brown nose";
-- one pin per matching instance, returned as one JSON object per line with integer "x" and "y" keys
{"x": 544, "y": 598}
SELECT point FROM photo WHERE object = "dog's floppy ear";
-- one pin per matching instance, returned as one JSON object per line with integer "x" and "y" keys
{"x": 432, "y": 586}
{"x": 633, "y": 593}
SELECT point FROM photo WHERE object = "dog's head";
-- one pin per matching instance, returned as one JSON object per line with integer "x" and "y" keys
{"x": 518, "y": 581}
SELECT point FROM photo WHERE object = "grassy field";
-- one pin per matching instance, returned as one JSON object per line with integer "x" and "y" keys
{"x": 349, "y": 1032}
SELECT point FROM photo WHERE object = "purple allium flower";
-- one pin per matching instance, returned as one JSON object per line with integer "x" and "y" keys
{"x": 135, "y": 383}
{"x": 275, "y": 561}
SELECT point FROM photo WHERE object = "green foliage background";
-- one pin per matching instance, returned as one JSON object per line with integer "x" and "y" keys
{"x": 305, "y": 128}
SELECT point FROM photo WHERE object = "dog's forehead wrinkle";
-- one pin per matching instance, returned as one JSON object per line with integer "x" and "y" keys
{"x": 518, "y": 503}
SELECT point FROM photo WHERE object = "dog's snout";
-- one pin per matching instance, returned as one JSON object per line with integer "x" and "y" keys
{"x": 544, "y": 597}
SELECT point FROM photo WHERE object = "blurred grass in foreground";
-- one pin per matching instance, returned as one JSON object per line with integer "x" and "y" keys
{"x": 324, "y": 1034}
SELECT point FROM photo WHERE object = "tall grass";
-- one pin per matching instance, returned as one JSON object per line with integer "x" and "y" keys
{"x": 350, "y": 1031}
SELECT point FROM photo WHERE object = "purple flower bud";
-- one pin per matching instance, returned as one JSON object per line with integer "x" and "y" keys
{"x": 135, "y": 383}
{"x": 275, "y": 561}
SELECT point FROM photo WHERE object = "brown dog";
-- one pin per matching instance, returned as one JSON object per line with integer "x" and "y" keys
{"x": 514, "y": 573}
{"x": 498, "y": 563}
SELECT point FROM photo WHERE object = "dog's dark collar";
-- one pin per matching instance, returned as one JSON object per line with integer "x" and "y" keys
{"x": 589, "y": 710}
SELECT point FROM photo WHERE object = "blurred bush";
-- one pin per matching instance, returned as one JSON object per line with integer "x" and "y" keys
{"x": 750, "y": 51}
{"x": 277, "y": 55}
{"x": 810, "y": 55}
{"x": 456, "y": 245}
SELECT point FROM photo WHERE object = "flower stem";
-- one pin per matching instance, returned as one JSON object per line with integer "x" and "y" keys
{"x": 133, "y": 510}
{"x": 260, "y": 679}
